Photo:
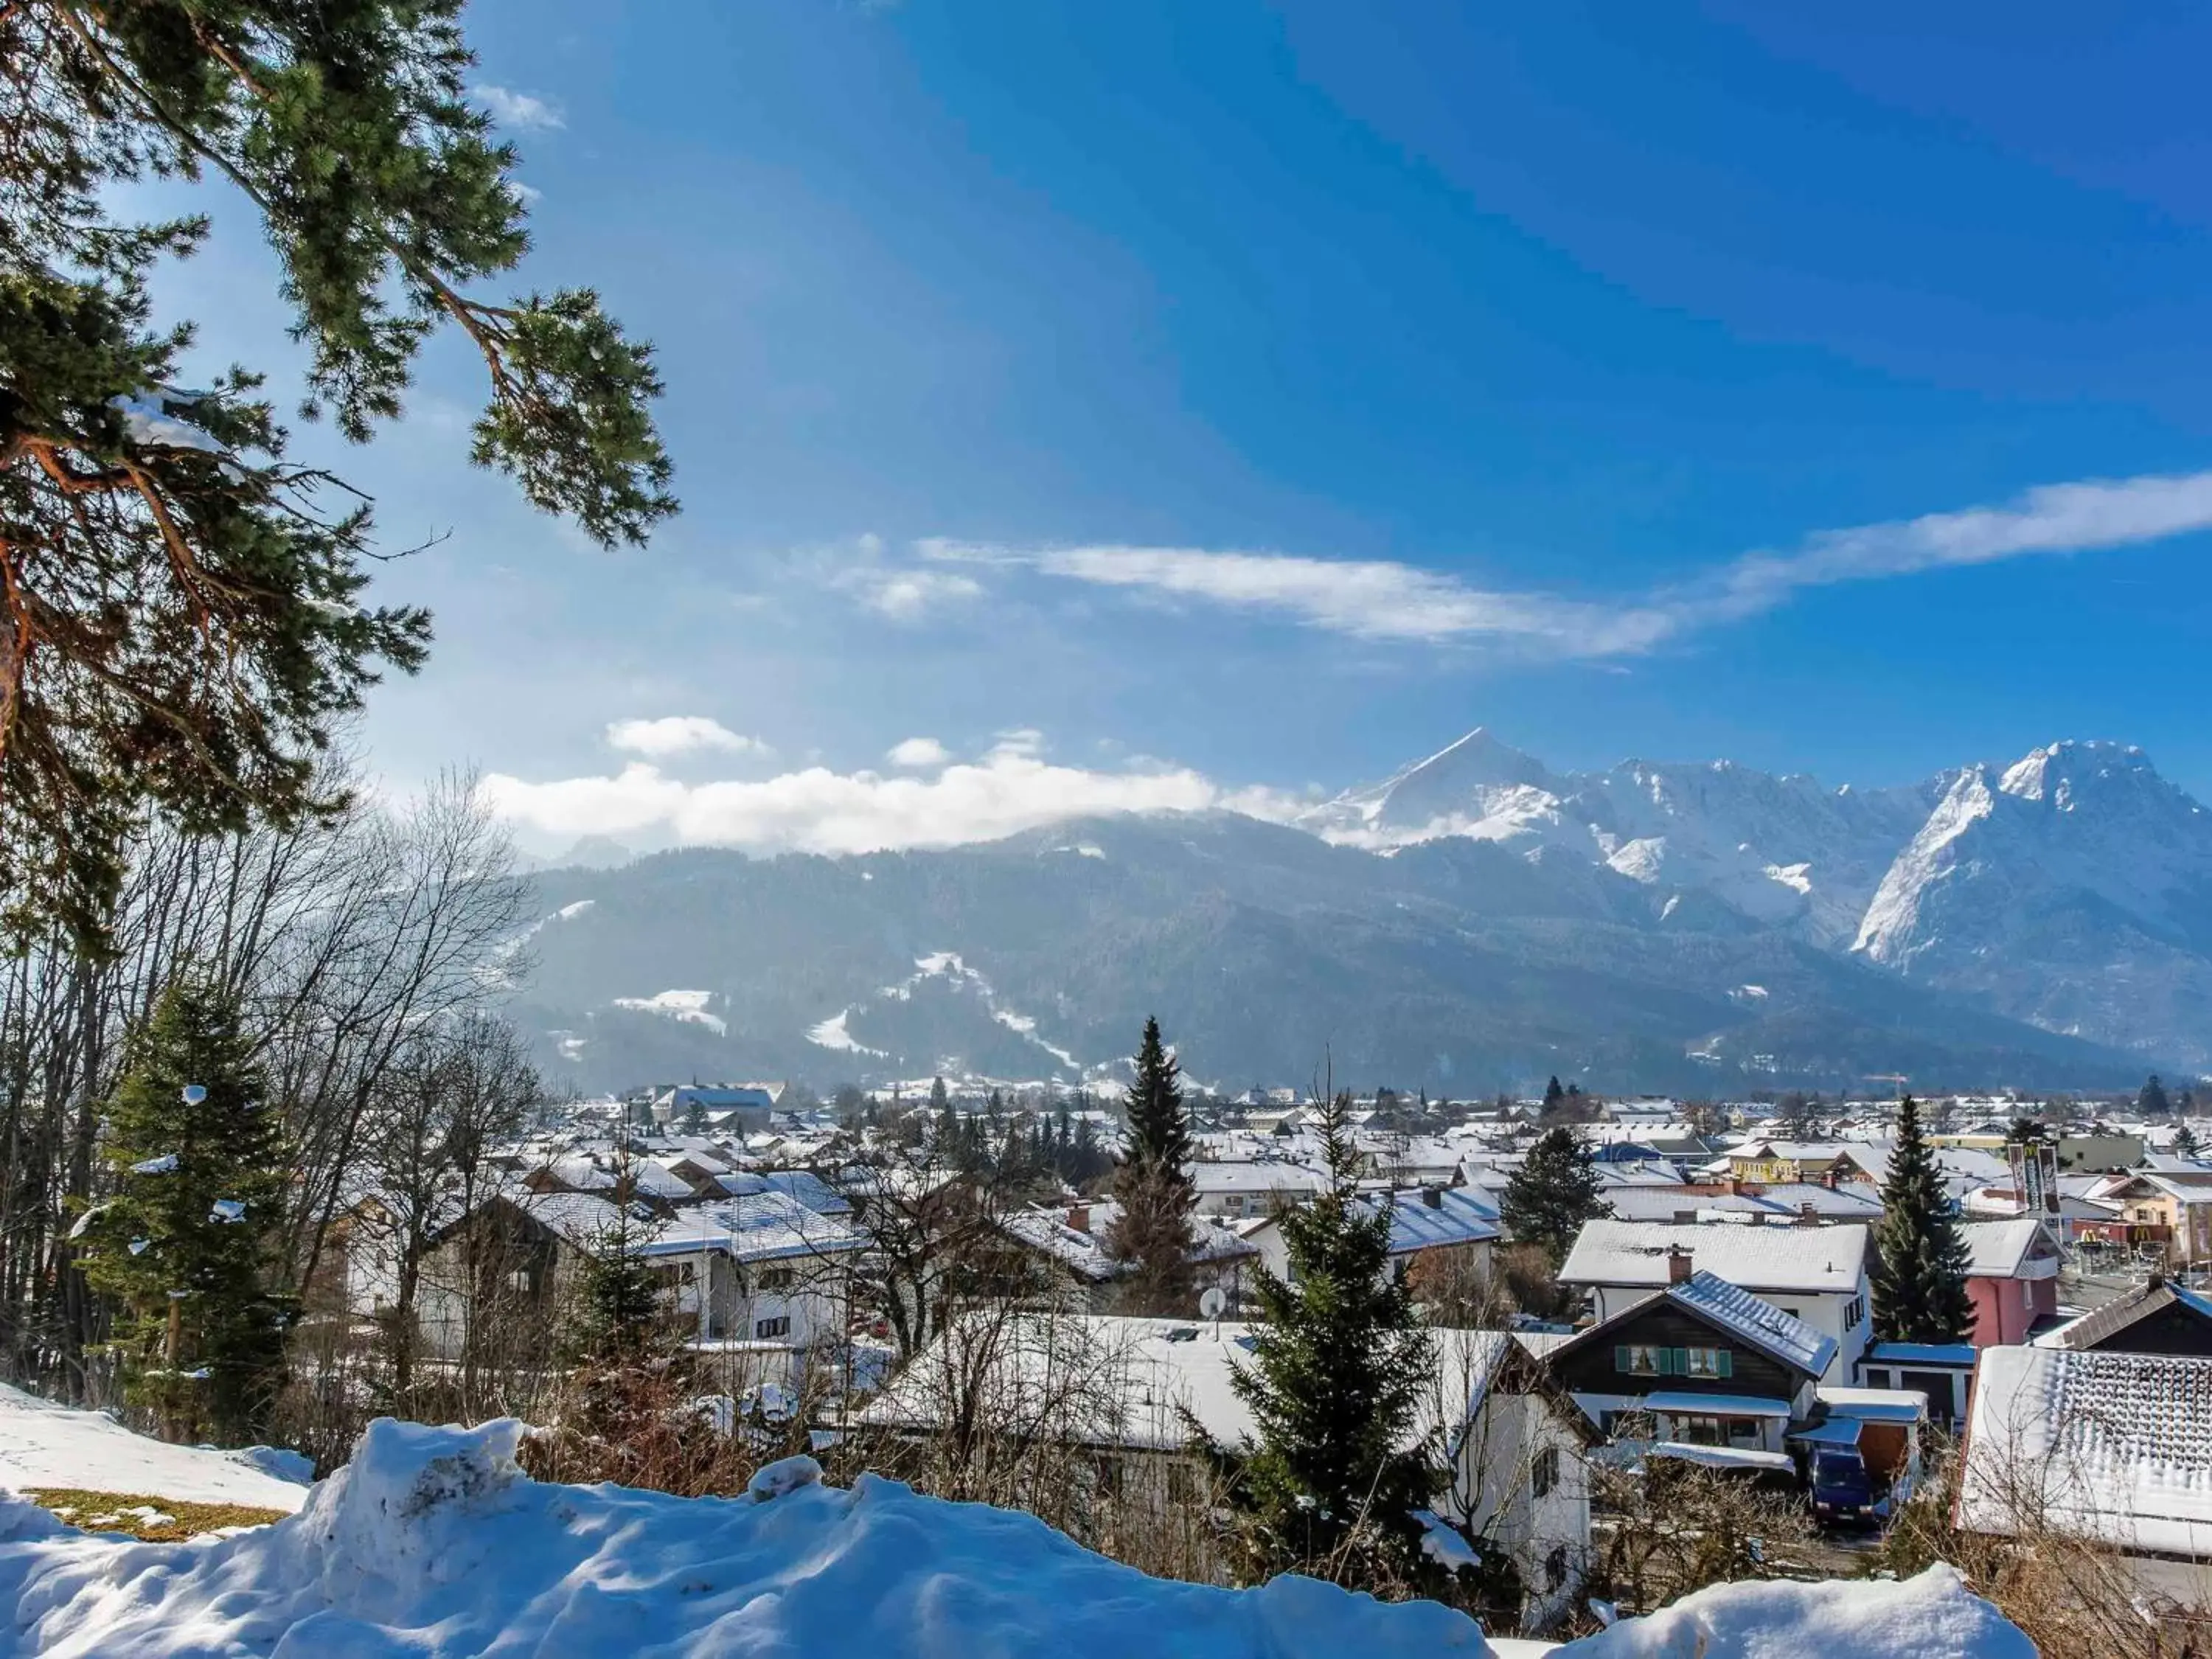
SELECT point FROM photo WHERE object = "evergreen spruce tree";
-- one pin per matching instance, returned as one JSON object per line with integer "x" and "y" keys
{"x": 1918, "y": 1273}
{"x": 2184, "y": 1142}
{"x": 1338, "y": 1368}
{"x": 2151, "y": 1099}
{"x": 1554, "y": 1096}
{"x": 186, "y": 1248}
{"x": 180, "y": 617}
{"x": 1556, "y": 1189}
{"x": 1154, "y": 1187}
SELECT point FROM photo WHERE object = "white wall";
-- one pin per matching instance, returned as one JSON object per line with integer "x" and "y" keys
{"x": 1493, "y": 1495}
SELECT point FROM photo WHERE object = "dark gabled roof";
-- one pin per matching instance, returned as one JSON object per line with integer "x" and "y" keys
{"x": 2101, "y": 1325}
{"x": 1728, "y": 1311}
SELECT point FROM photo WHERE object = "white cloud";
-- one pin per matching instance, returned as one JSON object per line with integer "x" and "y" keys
{"x": 820, "y": 810}
{"x": 2067, "y": 518}
{"x": 523, "y": 110}
{"x": 919, "y": 753}
{"x": 1382, "y": 599}
{"x": 906, "y": 596}
{"x": 681, "y": 734}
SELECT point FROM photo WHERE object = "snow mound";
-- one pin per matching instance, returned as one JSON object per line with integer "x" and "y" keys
{"x": 1932, "y": 1616}
{"x": 432, "y": 1542}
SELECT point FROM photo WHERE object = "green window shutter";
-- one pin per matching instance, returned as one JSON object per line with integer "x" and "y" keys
{"x": 1728, "y": 1363}
{"x": 1620, "y": 1360}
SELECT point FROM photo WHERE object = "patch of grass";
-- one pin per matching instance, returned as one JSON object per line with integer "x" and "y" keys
{"x": 144, "y": 1516}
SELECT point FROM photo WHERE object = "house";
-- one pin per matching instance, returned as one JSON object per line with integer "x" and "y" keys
{"x": 2161, "y": 1318}
{"x": 759, "y": 1273}
{"x": 2171, "y": 1209}
{"x": 1701, "y": 1362}
{"x": 2099, "y": 1444}
{"x": 1074, "y": 1237}
{"x": 1246, "y": 1187}
{"x": 1424, "y": 1220}
{"x": 1510, "y": 1447}
{"x": 1789, "y": 1161}
{"x": 740, "y": 1111}
{"x": 1816, "y": 1274}
{"x": 2012, "y": 1278}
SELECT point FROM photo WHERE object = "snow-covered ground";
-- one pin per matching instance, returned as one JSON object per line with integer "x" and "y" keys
{"x": 432, "y": 1544}
{"x": 43, "y": 1445}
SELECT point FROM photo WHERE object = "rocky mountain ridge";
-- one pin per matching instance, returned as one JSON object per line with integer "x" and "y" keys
{"x": 1475, "y": 920}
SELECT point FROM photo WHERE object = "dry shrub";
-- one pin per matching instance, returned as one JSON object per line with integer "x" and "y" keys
{"x": 2071, "y": 1594}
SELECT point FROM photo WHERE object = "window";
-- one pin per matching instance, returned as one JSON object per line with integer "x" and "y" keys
{"x": 779, "y": 1326}
{"x": 1640, "y": 1359}
{"x": 1544, "y": 1472}
{"x": 776, "y": 1279}
{"x": 1710, "y": 1363}
{"x": 1794, "y": 1313}
{"x": 1744, "y": 1431}
{"x": 1854, "y": 1311}
{"x": 1555, "y": 1568}
{"x": 1699, "y": 1431}
{"x": 1649, "y": 1360}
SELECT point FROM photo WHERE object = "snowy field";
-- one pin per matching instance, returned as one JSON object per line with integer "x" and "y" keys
{"x": 432, "y": 1544}
{"x": 43, "y": 1444}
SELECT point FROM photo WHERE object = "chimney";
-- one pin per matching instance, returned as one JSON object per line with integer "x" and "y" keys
{"x": 1433, "y": 1197}
{"x": 1828, "y": 1177}
{"x": 1807, "y": 1216}
{"x": 1079, "y": 1217}
{"x": 1680, "y": 1264}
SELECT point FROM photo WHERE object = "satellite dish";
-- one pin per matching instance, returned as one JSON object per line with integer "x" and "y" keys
{"x": 1212, "y": 1303}
{"x": 195, "y": 1093}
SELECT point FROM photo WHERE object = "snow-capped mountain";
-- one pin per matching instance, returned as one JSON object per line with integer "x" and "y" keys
{"x": 1475, "y": 920}
{"x": 1780, "y": 850}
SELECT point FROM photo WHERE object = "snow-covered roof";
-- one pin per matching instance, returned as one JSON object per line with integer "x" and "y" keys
{"x": 802, "y": 1185}
{"x": 1799, "y": 1261}
{"x": 1849, "y": 1201}
{"x": 1724, "y": 1457}
{"x": 1874, "y": 1405}
{"x": 1255, "y": 1175}
{"x": 1673, "y": 1204}
{"x": 756, "y": 1227}
{"x": 2009, "y": 1250}
{"x": 1760, "y": 1323}
{"x": 1718, "y": 1405}
{"x": 1142, "y": 1377}
{"x": 1458, "y": 1216}
{"x": 2107, "y": 1446}
{"x": 1083, "y": 1253}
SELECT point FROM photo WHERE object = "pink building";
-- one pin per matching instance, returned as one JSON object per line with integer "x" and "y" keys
{"x": 2013, "y": 1279}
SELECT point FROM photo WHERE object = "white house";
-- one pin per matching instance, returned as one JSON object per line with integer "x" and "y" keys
{"x": 1511, "y": 1446}
{"x": 757, "y": 1273}
{"x": 1242, "y": 1188}
{"x": 1816, "y": 1274}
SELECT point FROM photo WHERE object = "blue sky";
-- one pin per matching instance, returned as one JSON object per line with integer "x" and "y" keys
{"x": 1216, "y": 396}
